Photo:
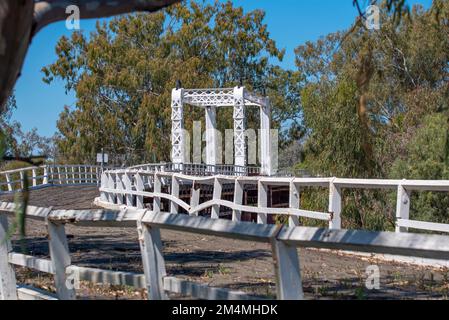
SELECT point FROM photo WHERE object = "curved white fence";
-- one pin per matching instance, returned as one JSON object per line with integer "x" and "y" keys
{"x": 130, "y": 187}
{"x": 49, "y": 175}
{"x": 284, "y": 243}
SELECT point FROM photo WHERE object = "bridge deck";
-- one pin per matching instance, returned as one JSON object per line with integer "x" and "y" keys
{"x": 218, "y": 262}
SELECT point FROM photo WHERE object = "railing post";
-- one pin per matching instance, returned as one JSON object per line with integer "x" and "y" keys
{"x": 402, "y": 207}
{"x": 51, "y": 175}
{"x": 294, "y": 203}
{"x": 8, "y": 289}
{"x": 73, "y": 176}
{"x": 111, "y": 185}
{"x": 128, "y": 187}
{"x": 195, "y": 197}
{"x": 157, "y": 189}
{"x": 86, "y": 174}
{"x": 174, "y": 208}
{"x": 119, "y": 188}
{"x": 22, "y": 184}
{"x": 238, "y": 199}
{"x": 8, "y": 180}
{"x": 34, "y": 175}
{"x": 215, "y": 213}
{"x": 262, "y": 201}
{"x": 335, "y": 205}
{"x": 139, "y": 187}
{"x": 59, "y": 175}
{"x": 45, "y": 178}
{"x": 104, "y": 184}
{"x": 60, "y": 257}
{"x": 152, "y": 260}
{"x": 80, "y": 177}
{"x": 287, "y": 271}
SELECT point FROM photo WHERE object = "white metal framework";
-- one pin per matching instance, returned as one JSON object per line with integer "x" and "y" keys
{"x": 210, "y": 99}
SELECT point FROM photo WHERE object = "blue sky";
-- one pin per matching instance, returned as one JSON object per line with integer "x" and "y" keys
{"x": 290, "y": 22}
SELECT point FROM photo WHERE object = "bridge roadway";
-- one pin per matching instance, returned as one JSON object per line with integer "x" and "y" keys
{"x": 218, "y": 262}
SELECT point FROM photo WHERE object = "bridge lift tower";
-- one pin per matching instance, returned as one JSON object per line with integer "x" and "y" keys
{"x": 210, "y": 99}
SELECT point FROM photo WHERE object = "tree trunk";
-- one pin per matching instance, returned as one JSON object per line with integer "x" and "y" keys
{"x": 16, "y": 20}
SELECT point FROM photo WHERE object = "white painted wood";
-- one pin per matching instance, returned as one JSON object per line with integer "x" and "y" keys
{"x": 239, "y": 127}
{"x": 45, "y": 179}
{"x": 401, "y": 244}
{"x": 60, "y": 257}
{"x": 152, "y": 260}
{"x": 8, "y": 180}
{"x": 266, "y": 211}
{"x": 421, "y": 225}
{"x": 262, "y": 202}
{"x": 195, "y": 198}
{"x": 215, "y": 213}
{"x": 104, "y": 185}
{"x": 174, "y": 193}
{"x": 157, "y": 189}
{"x": 139, "y": 187}
{"x": 111, "y": 185}
{"x": 127, "y": 184}
{"x": 294, "y": 202}
{"x": 211, "y": 136}
{"x": 220, "y": 228}
{"x": 59, "y": 174}
{"x": 335, "y": 205}
{"x": 402, "y": 207}
{"x": 238, "y": 200}
{"x": 30, "y": 293}
{"x": 43, "y": 265}
{"x": 22, "y": 178}
{"x": 287, "y": 271}
{"x": 265, "y": 140}
{"x": 7, "y": 276}
{"x": 178, "y": 134}
{"x": 33, "y": 174}
{"x": 119, "y": 187}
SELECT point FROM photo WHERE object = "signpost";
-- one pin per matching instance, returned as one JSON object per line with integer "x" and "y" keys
{"x": 102, "y": 158}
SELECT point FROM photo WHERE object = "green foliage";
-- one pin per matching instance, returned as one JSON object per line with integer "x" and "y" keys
{"x": 375, "y": 104}
{"x": 124, "y": 72}
{"x": 427, "y": 159}
{"x": 427, "y": 156}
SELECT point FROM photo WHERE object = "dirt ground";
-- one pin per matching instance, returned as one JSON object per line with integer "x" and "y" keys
{"x": 217, "y": 262}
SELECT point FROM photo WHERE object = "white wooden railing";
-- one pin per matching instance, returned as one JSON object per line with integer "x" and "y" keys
{"x": 201, "y": 170}
{"x": 284, "y": 243}
{"x": 130, "y": 187}
{"x": 49, "y": 175}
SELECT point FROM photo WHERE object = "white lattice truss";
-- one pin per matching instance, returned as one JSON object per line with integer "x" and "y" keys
{"x": 239, "y": 98}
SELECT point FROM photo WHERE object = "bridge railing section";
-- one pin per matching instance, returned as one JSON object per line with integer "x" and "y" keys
{"x": 48, "y": 175}
{"x": 284, "y": 242}
{"x": 130, "y": 188}
{"x": 200, "y": 169}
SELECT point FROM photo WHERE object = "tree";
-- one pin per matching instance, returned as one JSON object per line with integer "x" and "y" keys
{"x": 427, "y": 159}
{"x": 123, "y": 75}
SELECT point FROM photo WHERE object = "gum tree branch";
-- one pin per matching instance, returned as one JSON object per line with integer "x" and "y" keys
{"x": 46, "y": 12}
{"x": 20, "y": 20}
